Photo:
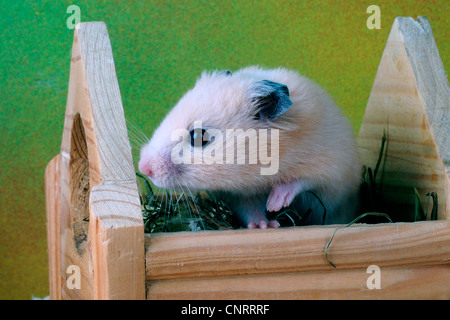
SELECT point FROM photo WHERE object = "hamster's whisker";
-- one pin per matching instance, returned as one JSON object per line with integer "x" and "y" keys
{"x": 165, "y": 204}
{"x": 177, "y": 203}
{"x": 186, "y": 200}
{"x": 136, "y": 141}
{"x": 197, "y": 213}
{"x": 189, "y": 199}
{"x": 138, "y": 135}
{"x": 137, "y": 130}
{"x": 192, "y": 196}
{"x": 158, "y": 197}
{"x": 169, "y": 202}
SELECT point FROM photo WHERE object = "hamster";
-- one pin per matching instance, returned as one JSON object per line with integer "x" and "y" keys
{"x": 315, "y": 166}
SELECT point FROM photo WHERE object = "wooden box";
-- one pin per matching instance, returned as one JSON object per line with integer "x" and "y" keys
{"x": 109, "y": 257}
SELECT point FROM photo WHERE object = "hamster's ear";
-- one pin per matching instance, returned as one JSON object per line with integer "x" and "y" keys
{"x": 270, "y": 98}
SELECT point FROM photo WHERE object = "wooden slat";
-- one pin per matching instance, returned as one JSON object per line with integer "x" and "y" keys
{"x": 410, "y": 102}
{"x": 97, "y": 181}
{"x": 432, "y": 282}
{"x": 118, "y": 248}
{"x": 253, "y": 252}
{"x": 53, "y": 226}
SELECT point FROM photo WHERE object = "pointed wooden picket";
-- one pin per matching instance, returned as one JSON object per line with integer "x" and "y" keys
{"x": 94, "y": 219}
{"x": 410, "y": 101}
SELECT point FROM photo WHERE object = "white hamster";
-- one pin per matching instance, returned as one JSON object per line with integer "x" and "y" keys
{"x": 261, "y": 140}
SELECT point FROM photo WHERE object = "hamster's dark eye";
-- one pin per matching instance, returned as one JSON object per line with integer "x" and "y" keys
{"x": 199, "y": 137}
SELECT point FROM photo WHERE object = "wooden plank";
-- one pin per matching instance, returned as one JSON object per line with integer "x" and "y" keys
{"x": 432, "y": 282}
{"x": 118, "y": 248}
{"x": 410, "y": 102}
{"x": 53, "y": 227}
{"x": 98, "y": 180}
{"x": 287, "y": 250}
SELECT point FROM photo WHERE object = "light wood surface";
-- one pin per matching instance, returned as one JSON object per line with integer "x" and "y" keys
{"x": 300, "y": 249}
{"x": 101, "y": 227}
{"x": 410, "y": 101}
{"x": 396, "y": 283}
{"x": 52, "y": 179}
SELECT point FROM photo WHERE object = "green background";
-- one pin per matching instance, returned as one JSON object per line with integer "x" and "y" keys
{"x": 160, "y": 47}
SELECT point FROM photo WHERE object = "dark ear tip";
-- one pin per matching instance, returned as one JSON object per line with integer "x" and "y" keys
{"x": 271, "y": 98}
{"x": 275, "y": 86}
{"x": 226, "y": 73}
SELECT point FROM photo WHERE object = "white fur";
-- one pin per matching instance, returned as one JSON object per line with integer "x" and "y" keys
{"x": 317, "y": 149}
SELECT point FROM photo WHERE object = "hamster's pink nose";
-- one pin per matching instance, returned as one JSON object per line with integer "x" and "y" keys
{"x": 145, "y": 168}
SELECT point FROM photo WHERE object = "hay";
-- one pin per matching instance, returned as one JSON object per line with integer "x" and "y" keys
{"x": 378, "y": 214}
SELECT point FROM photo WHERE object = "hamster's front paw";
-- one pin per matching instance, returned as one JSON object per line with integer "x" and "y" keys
{"x": 283, "y": 194}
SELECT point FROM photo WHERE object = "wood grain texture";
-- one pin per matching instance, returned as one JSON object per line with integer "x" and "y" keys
{"x": 396, "y": 283}
{"x": 288, "y": 250}
{"x": 94, "y": 177}
{"x": 431, "y": 79}
{"x": 101, "y": 225}
{"x": 410, "y": 101}
{"x": 118, "y": 247}
{"x": 53, "y": 226}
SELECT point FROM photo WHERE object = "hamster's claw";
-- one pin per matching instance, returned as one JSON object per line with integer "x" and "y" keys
{"x": 252, "y": 225}
{"x": 263, "y": 224}
{"x": 273, "y": 224}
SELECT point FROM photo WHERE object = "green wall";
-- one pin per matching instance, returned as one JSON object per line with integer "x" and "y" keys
{"x": 160, "y": 47}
